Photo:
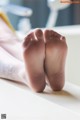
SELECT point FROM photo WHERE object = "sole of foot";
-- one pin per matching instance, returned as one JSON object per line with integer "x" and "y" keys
{"x": 56, "y": 51}
{"x": 34, "y": 55}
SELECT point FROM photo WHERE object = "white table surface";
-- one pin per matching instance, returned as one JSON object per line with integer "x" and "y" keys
{"x": 20, "y": 103}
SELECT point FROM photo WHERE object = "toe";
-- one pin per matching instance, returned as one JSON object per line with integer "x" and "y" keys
{"x": 47, "y": 35}
{"x": 62, "y": 38}
{"x": 39, "y": 34}
{"x": 52, "y": 35}
{"x": 30, "y": 37}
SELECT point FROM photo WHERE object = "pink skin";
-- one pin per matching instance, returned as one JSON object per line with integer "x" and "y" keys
{"x": 56, "y": 51}
{"x": 34, "y": 55}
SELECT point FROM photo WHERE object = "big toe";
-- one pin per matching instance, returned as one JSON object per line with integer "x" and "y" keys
{"x": 39, "y": 34}
{"x": 52, "y": 35}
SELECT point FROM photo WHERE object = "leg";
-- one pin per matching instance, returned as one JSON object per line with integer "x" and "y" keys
{"x": 13, "y": 48}
{"x": 56, "y": 50}
{"x": 9, "y": 41}
{"x": 11, "y": 68}
{"x": 34, "y": 55}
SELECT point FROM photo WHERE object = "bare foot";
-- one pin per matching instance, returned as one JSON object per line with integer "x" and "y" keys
{"x": 56, "y": 51}
{"x": 34, "y": 55}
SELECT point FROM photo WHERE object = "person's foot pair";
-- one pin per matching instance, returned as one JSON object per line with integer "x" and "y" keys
{"x": 44, "y": 56}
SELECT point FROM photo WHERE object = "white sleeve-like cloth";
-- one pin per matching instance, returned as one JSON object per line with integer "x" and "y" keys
{"x": 11, "y": 68}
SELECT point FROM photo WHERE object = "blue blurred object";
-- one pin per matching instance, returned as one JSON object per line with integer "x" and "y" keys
{"x": 18, "y": 10}
{"x": 54, "y": 6}
{"x": 24, "y": 12}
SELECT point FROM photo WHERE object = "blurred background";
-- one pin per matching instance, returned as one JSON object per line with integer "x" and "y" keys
{"x": 41, "y": 11}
